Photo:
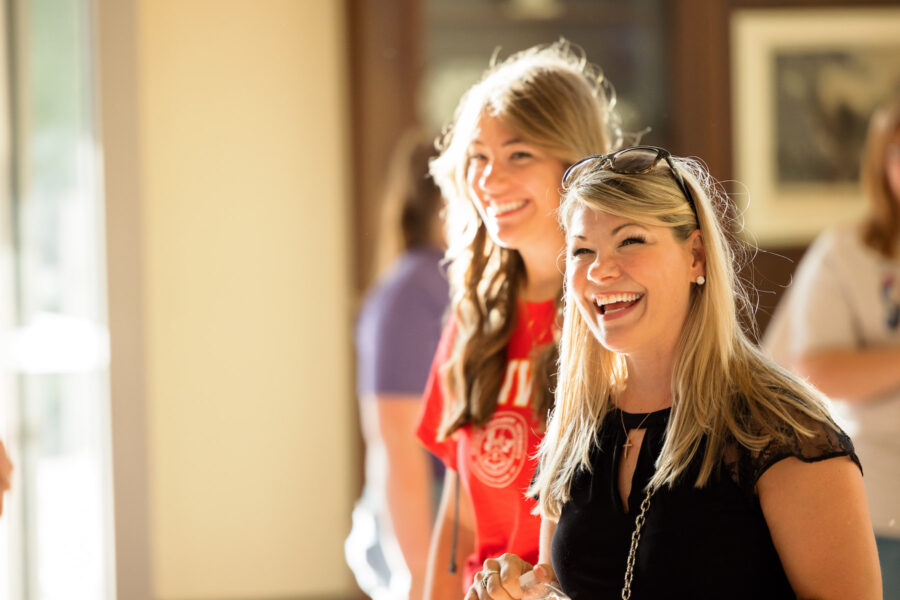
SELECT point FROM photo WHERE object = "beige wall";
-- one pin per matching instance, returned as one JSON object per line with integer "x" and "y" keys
{"x": 240, "y": 327}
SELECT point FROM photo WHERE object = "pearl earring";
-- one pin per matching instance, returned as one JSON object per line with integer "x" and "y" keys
{"x": 701, "y": 280}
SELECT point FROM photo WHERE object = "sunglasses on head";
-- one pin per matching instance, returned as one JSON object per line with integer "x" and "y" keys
{"x": 634, "y": 161}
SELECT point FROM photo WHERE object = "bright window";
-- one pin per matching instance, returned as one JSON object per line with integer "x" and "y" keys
{"x": 55, "y": 357}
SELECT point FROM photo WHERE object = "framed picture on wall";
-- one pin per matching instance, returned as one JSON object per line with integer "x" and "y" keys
{"x": 804, "y": 83}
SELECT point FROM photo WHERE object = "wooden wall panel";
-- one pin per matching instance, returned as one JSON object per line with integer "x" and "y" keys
{"x": 700, "y": 84}
{"x": 386, "y": 59}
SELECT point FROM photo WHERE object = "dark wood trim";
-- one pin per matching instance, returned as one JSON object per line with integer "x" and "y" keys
{"x": 699, "y": 74}
{"x": 386, "y": 59}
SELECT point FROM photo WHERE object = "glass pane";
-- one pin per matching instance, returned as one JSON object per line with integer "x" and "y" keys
{"x": 59, "y": 349}
{"x": 626, "y": 39}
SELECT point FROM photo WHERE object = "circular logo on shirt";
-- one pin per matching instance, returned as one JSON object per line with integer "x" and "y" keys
{"x": 499, "y": 449}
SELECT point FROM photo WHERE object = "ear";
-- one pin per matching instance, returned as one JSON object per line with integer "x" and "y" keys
{"x": 698, "y": 255}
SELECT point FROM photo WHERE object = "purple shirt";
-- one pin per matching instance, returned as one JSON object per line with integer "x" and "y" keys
{"x": 400, "y": 324}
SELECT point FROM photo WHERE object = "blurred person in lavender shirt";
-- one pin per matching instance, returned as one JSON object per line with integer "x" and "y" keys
{"x": 396, "y": 336}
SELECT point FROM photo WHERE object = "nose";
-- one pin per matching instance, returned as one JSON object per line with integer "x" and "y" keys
{"x": 492, "y": 177}
{"x": 603, "y": 269}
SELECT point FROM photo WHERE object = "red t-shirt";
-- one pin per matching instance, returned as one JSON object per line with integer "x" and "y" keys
{"x": 495, "y": 462}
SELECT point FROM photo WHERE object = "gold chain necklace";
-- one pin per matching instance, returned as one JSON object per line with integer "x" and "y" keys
{"x": 628, "y": 444}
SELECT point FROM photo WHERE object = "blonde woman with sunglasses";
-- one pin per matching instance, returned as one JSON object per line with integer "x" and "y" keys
{"x": 680, "y": 462}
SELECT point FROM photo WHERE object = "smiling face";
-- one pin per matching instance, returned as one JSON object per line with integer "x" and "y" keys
{"x": 631, "y": 282}
{"x": 516, "y": 188}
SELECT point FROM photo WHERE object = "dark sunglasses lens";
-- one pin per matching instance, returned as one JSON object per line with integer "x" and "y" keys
{"x": 636, "y": 160}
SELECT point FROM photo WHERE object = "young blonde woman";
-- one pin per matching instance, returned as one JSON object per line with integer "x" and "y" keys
{"x": 840, "y": 326}
{"x": 501, "y": 160}
{"x": 680, "y": 462}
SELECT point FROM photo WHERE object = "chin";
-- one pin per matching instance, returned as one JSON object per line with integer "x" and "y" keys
{"x": 614, "y": 343}
{"x": 603, "y": 339}
{"x": 504, "y": 239}
{"x": 617, "y": 348}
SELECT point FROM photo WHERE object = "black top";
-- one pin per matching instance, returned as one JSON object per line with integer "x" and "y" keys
{"x": 711, "y": 542}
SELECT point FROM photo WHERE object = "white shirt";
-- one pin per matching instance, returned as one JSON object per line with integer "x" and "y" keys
{"x": 846, "y": 295}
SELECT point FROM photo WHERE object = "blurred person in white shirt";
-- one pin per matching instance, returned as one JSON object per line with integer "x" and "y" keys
{"x": 839, "y": 326}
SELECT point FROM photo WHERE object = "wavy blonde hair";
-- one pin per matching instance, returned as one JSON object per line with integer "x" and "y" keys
{"x": 882, "y": 226}
{"x": 552, "y": 97}
{"x": 723, "y": 387}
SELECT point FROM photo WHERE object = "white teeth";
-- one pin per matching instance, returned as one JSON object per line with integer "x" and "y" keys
{"x": 601, "y": 301}
{"x": 505, "y": 207}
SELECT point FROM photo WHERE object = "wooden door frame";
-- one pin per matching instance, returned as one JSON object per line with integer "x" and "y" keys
{"x": 386, "y": 53}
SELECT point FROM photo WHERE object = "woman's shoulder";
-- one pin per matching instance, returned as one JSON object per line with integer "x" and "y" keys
{"x": 416, "y": 271}
{"x": 792, "y": 427}
{"x": 839, "y": 236}
{"x": 415, "y": 283}
{"x": 842, "y": 245}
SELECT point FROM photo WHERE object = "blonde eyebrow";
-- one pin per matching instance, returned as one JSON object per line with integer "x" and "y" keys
{"x": 506, "y": 143}
{"x": 628, "y": 224}
{"x": 615, "y": 230}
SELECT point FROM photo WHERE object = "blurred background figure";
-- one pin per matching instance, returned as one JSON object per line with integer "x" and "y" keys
{"x": 6, "y": 469}
{"x": 840, "y": 326}
{"x": 396, "y": 336}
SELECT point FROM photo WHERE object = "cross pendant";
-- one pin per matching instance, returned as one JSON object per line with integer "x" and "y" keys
{"x": 626, "y": 446}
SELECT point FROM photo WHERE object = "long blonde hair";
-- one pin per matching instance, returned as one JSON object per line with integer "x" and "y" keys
{"x": 882, "y": 226}
{"x": 723, "y": 387}
{"x": 553, "y": 98}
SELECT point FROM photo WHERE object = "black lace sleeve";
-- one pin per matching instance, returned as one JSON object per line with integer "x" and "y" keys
{"x": 827, "y": 441}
